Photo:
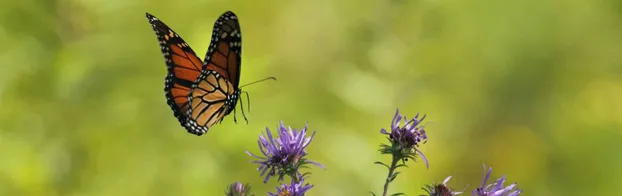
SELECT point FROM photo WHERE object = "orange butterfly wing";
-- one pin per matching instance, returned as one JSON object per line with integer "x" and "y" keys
{"x": 215, "y": 92}
{"x": 183, "y": 67}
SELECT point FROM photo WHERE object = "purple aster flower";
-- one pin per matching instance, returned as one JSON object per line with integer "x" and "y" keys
{"x": 239, "y": 189}
{"x": 404, "y": 143}
{"x": 441, "y": 189}
{"x": 292, "y": 189}
{"x": 283, "y": 154}
{"x": 406, "y": 139}
{"x": 496, "y": 188}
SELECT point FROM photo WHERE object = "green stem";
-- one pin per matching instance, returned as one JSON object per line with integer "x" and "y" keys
{"x": 391, "y": 171}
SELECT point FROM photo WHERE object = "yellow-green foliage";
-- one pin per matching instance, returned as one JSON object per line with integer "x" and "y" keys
{"x": 532, "y": 88}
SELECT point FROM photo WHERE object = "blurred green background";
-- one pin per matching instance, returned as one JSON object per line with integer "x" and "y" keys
{"x": 530, "y": 87}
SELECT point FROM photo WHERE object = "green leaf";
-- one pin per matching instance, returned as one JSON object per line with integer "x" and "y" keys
{"x": 381, "y": 163}
{"x": 372, "y": 193}
{"x": 401, "y": 165}
{"x": 306, "y": 175}
{"x": 385, "y": 149}
{"x": 393, "y": 176}
{"x": 398, "y": 194}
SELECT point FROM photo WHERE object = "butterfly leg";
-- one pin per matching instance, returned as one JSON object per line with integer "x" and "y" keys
{"x": 235, "y": 120}
{"x": 249, "y": 101}
{"x": 242, "y": 107}
{"x": 245, "y": 119}
{"x": 243, "y": 114}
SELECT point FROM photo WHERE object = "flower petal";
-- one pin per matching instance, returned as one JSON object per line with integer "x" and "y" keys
{"x": 316, "y": 164}
{"x": 515, "y": 193}
{"x": 486, "y": 175}
{"x": 446, "y": 180}
{"x": 252, "y": 155}
{"x": 499, "y": 183}
{"x": 427, "y": 166}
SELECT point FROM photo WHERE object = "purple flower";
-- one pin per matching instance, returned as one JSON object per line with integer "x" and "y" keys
{"x": 441, "y": 189}
{"x": 407, "y": 138}
{"x": 292, "y": 189}
{"x": 283, "y": 154}
{"x": 496, "y": 188}
{"x": 238, "y": 189}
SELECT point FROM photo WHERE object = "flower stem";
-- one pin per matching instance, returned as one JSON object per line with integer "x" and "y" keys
{"x": 391, "y": 171}
{"x": 295, "y": 178}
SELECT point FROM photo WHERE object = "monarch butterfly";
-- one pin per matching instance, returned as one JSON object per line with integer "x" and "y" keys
{"x": 202, "y": 93}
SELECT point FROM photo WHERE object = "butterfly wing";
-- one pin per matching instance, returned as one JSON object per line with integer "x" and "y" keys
{"x": 215, "y": 92}
{"x": 225, "y": 50}
{"x": 182, "y": 64}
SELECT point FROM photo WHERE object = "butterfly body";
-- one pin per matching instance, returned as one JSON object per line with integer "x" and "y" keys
{"x": 202, "y": 93}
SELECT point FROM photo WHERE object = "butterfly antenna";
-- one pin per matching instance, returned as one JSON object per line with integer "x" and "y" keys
{"x": 268, "y": 78}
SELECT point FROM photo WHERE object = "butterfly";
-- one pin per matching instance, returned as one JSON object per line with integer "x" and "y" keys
{"x": 202, "y": 93}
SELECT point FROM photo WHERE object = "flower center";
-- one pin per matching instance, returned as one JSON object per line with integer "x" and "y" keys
{"x": 285, "y": 193}
{"x": 443, "y": 190}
